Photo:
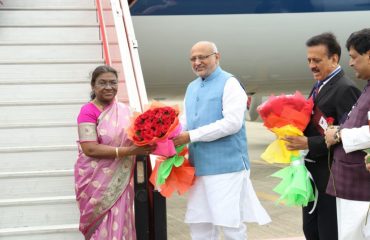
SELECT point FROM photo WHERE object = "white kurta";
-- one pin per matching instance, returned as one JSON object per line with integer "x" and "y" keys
{"x": 354, "y": 139}
{"x": 352, "y": 214}
{"x": 224, "y": 199}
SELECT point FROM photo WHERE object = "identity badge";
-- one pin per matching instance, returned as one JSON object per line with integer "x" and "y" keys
{"x": 323, "y": 123}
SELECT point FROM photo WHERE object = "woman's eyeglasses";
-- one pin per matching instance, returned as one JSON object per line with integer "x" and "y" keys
{"x": 112, "y": 84}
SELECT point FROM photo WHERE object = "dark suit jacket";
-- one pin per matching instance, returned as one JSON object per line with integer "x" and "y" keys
{"x": 335, "y": 100}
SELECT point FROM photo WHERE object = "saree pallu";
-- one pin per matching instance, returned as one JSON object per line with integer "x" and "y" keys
{"x": 103, "y": 187}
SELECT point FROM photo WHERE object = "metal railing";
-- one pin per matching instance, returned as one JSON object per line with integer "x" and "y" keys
{"x": 103, "y": 33}
{"x": 116, "y": 28}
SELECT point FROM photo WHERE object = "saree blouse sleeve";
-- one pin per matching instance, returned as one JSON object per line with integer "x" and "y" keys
{"x": 87, "y": 122}
{"x": 87, "y": 132}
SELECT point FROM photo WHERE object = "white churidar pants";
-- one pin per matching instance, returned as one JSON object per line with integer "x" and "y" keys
{"x": 351, "y": 216}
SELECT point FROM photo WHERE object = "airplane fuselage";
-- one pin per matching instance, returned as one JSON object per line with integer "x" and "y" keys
{"x": 264, "y": 50}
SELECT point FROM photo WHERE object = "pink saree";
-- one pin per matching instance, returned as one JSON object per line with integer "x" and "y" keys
{"x": 104, "y": 190}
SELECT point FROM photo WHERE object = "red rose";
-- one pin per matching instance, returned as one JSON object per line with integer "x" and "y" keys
{"x": 330, "y": 121}
{"x": 158, "y": 132}
{"x": 154, "y": 123}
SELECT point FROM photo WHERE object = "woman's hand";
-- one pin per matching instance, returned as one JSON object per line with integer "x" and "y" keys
{"x": 140, "y": 150}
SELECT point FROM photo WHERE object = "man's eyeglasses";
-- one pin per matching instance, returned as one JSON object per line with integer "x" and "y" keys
{"x": 200, "y": 58}
{"x": 112, "y": 84}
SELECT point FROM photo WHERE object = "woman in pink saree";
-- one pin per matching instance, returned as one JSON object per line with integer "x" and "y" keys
{"x": 104, "y": 168}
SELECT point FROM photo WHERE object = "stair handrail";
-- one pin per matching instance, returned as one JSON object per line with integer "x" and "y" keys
{"x": 134, "y": 47}
{"x": 106, "y": 53}
{"x": 128, "y": 48}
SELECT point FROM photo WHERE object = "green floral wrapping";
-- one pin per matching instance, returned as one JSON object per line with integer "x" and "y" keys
{"x": 166, "y": 166}
{"x": 174, "y": 174}
{"x": 295, "y": 187}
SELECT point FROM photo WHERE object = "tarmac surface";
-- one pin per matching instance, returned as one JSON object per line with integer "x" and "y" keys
{"x": 286, "y": 221}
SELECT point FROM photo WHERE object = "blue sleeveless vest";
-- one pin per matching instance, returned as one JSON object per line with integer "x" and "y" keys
{"x": 203, "y": 102}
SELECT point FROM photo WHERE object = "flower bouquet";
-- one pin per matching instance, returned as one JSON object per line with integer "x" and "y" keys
{"x": 159, "y": 124}
{"x": 174, "y": 173}
{"x": 288, "y": 115}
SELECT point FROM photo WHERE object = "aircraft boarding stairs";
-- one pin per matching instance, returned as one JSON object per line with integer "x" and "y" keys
{"x": 48, "y": 49}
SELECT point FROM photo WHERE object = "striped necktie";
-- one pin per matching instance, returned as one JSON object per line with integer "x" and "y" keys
{"x": 316, "y": 88}
{"x": 317, "y": 85}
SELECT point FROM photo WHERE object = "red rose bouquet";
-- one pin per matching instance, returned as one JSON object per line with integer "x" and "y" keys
{"x": 159, "y": 124}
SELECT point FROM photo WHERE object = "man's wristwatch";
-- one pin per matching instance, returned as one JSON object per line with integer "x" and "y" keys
{"x": 337, "y": 136}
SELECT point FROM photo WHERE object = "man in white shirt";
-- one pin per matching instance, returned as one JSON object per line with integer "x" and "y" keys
{"x": 222, "y": 198}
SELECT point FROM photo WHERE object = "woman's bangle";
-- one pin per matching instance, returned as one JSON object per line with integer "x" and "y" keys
{"x": 117, "y": 155}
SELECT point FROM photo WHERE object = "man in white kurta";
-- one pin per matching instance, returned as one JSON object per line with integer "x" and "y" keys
{"x": 352, "y": 215}
{"x": 222, "y": 198}
{"x": 353, "y": 136}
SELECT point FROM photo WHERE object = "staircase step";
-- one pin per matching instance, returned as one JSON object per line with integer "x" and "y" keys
{"x": 48, "y": 3}
{"x": 34, "y": 69}
{"x": 44, "y": 81}
{"x": 36, "y": 125}
{"x": 51, "y": 61}
{"x": 49, "y": 52}
{"x": 50, "y": 43}
{"x": 40, "y": 113}
{"x": 45, "y": 25}
{"x": 44, "y": 92}
{"x": 49, "y": 34}
{"x": 34, "y": 103}
{"x": 38, "y": 135}
{"x": 37, "y": 149}
{"x": 53, "y": 232}
{"x": 64, "y": 8}
{"x": 33, "y": 184}
{"x": 38, "y": 159}
{"x": 33, "y": 174}
{"x": 27, "y": 212}
{"x": 52, "y": 17}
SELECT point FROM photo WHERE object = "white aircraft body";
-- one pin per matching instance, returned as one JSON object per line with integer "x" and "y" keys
{"x": 262, "y": 42}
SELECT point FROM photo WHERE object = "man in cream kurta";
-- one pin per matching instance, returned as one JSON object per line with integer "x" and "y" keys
{"x": 222, "y": 197}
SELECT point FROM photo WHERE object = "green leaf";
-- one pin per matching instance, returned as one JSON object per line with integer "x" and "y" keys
{"x": 166, "y": 166}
